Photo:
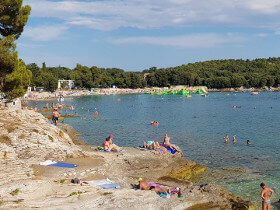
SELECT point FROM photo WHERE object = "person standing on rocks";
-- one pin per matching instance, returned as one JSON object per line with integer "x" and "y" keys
{"x": 266, "y": 194}
{"x": 55, "y": 116}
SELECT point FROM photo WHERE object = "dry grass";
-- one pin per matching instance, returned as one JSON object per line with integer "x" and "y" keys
{"x": 22, "y": 136}
{"x": 5, "y": 140}
{"x": 11, "y": 129}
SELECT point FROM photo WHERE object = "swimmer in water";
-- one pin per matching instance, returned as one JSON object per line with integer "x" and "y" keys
{"x": 226, "y": 138}
{"x": 248, "y": 142}
{"x": 234, "y": 140}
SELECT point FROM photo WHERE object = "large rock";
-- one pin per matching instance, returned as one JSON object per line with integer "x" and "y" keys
{"x": 28, "y": 138}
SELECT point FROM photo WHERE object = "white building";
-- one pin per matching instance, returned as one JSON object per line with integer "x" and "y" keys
{"x": 69, "y": 84}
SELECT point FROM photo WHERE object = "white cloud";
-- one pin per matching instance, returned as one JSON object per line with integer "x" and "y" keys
{"x": 262, "y": 35}
{"x": 28, "y": 45}
{"x": 45, "y": 33}
{"x": 187, "y": 41}
{"x": 113, "y": 14}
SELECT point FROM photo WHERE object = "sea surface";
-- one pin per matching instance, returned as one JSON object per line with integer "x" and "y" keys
{"x": 198, "y": 126}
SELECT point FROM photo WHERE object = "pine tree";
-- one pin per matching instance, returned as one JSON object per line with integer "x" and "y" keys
{"x": 13, "y": 73}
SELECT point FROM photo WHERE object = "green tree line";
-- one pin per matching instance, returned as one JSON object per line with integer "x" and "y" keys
{"x": 219, "y": 74}
{"x": 85, "y": 77}
{"x": 213, "y": 74}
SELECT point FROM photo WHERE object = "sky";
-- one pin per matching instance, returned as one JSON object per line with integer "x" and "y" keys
{"x": 135, "y": 35}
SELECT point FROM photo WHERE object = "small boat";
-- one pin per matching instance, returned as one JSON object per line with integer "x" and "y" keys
{"x": 255, "y": 93}
{"x": 204, "y": 95}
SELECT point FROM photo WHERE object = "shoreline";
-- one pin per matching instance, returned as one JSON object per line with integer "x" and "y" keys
{"x": 69, "y": 94}
{"x": 33, "y": 139}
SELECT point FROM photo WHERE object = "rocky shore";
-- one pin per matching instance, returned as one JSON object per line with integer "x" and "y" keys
{"x": 27, "y": 138}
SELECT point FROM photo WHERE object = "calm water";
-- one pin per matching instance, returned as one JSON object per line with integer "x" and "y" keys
{"x": 239, "y": 168}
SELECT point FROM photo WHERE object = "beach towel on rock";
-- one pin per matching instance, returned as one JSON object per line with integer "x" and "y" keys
{"x": 105, "y": 150}
{"x": 64, "y": 165}
{"x": 47, "y": 162}
{"x": 161, "y": 186}
{"x": 104, "y": 184}
{"x": 58, "y": 164}
{"x": 169, "y": 149}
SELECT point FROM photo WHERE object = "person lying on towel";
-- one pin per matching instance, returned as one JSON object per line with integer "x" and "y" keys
{"x": 151, "y": 145}
{"x": 143, "y": 185}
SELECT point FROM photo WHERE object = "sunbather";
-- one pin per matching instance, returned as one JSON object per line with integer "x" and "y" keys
{"x": 151, "y": 145}
{"x": 166, "y": 143}
{"x": 108, "y": 144}
{"x": 143, "y": 185}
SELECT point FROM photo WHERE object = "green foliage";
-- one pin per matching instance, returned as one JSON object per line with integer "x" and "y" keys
{"x": 213, "y": 74}
{"x": 8, "y": 56}
{"x": 86, "y": 77}
{"x": 15, "y": 192}
{"x": 75, "y": 193}
{"x": 50, "y": 138}
{"x": 219, "y": 74}
{"x": 13, "y": 17}
{"x": 17, "y": 82}
{"x": 14, "y": 77}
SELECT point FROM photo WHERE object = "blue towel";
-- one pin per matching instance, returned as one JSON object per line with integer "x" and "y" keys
{"x": 202, "y": 185}
{"x": 110, "y": 186}
{"x": 64, "y": 165}
{"x": 172, "y": 151}
{"x": 105, "y": 150}
{"x": 163, "y": 195}
{"x": 121, "y": 150}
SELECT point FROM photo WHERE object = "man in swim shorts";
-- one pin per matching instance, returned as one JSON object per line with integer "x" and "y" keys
{"x": 55, "y": 116}
{"x": 266, "y": 194}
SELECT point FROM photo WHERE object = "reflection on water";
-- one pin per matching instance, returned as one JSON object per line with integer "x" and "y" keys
{"x": 239, "y": 168}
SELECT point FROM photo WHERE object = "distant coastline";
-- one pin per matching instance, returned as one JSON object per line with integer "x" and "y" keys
{"x": 69, "y": 94}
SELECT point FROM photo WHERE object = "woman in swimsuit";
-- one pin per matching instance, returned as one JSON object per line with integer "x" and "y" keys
{"x": 166, "y": 143}
{"x": 108, "y": 145}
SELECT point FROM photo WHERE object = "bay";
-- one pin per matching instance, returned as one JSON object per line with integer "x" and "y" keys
{"x": 197, "y": 125}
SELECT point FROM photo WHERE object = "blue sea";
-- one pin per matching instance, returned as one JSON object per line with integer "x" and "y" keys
{"x": 198, "y": 126}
